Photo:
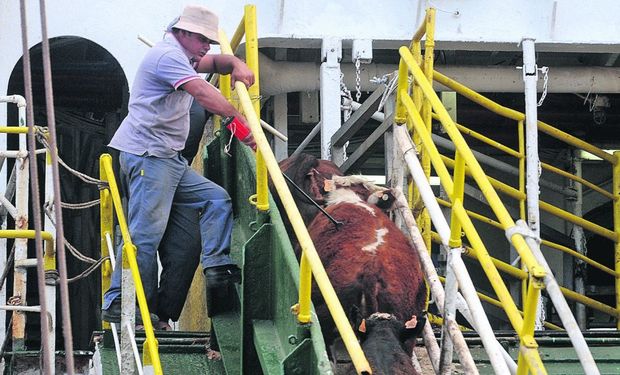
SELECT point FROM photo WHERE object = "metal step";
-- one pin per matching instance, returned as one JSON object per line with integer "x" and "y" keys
{"x": 180, "y": 353}
{"x": 556, "y": 351}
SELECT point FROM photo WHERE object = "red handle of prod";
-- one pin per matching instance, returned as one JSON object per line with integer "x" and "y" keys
{"x": 239, "y": 130}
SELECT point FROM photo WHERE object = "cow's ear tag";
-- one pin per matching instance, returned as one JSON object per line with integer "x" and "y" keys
{"x": 412, "y": 323}
{"x": 362, "y": 327}
{"x": 329, "y": 185}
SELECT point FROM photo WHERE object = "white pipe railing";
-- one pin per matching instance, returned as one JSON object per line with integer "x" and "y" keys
{"x": 499, "y": 361}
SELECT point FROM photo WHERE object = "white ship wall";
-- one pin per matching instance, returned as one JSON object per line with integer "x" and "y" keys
{"x": 567, "y": 25}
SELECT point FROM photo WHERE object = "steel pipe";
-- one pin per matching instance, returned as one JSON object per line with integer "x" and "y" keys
{"x": 278, "y": 77}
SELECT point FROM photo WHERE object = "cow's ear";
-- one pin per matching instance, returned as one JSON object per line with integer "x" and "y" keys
{"x": 329, "y": 185}
{"x": 362, "y": 327}
{"x": 411, "y": 323}
{"x": 412, "y": 327}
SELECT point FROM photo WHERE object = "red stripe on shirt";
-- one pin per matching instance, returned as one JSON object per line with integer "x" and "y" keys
{"x": 178, "y": 83}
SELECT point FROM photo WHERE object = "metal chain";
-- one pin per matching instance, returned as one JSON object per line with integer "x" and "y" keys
{"x": 347, "y": 99}
{"x": 545, "y": 72}
{"x": 358, "y": 80}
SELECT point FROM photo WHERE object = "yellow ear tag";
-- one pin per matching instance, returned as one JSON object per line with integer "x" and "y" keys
{"x": 329, "y": 185}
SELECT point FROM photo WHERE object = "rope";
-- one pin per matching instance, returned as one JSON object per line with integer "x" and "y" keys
{"x": 75, "y": 252}
{"x": 61, "y": 258}
{"x": 82, "y": 176}
{"x": 93, "y": 267}
{"x": 79, "y": 206}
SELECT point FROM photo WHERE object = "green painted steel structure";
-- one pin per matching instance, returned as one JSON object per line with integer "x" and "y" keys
{"x": 269, "y": 336}
{"x": 260, "y": 334}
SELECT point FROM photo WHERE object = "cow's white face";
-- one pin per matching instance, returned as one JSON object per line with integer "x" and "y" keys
{"x": 347, "y": 188}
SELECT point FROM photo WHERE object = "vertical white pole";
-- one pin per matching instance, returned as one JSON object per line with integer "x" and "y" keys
{"x": 128, "y": 315}
{"x": 532, "y": 164}
{"x": 530, "y": 78}
{"x": 3, "y": 181}
{"x": 21, "y": 244}
{"x": 331, "y": 53}
{"x": 280, "y": 122}
{"x": 580, "y": 243}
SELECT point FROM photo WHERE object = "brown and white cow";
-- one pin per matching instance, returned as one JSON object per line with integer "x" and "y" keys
{"x": 368, "y": 258}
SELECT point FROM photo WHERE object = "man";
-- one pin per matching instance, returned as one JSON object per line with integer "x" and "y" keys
{"x": 160, "y": 184}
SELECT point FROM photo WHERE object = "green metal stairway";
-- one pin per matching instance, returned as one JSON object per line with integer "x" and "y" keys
{"x": 259, "y": 334}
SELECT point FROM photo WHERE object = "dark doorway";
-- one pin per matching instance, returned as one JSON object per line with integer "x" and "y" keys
{"x": 90, "y": 100}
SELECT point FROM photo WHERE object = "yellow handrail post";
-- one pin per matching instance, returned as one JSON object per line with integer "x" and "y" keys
{"x": 320, "y": 275}
{"x": 400, "y": 116}
{"x": 130, "y": 261}
{"x": 458, "y": 193}
{"x": 522, "y": 201}
{"x": 305, "y": 285}
{"x": 429, "y": 50}
{"x": 251, "y": 55}
{"x": 106, "y": 212}
{"x": 616, "y": 204}
{"x": 526, "y": 336}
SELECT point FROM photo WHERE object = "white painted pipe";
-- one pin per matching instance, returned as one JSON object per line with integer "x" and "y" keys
{"x": 278, "y": 77}
{"x": 8, "y": 206}
{"x": 134, "y": 348}
{"x": 562, "y": 308}
{"x": 480, "y": 322}
{"x": 530, "y": 77}
{"x": 580, "y": 241}
{"x": 17, "y": 99}
{"x": 532, "y": 159}
{"x": 449, "y": 315}
{"x": 273, "y": 130}
{"x": 26, "y": 263}
{"x": 21, "y": 308}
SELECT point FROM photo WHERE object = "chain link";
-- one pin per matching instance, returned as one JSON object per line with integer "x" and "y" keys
{"x": 545, "y": 72}
{"x": 358, "y": 80}
{"x": 347, "y": 99}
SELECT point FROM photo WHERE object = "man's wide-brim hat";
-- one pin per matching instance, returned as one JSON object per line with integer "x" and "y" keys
{"x": 200, "y": 20}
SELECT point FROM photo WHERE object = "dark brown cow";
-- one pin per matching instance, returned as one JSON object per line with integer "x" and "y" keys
{"x": 382, "y": 338}
{"x": 369, "y": 261}
{"x": 309, "y": 173}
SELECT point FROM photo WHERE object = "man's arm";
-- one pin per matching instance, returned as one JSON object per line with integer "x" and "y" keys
{"x": 227, "y": 64}
{"x": 210, "y": 98}
{"x": 213, "y": 101}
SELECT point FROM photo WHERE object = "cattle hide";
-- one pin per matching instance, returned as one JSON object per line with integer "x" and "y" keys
{"x": 309, "y": 173}
{"x": 369, "y": 262}
{"x": 382, "y": 337}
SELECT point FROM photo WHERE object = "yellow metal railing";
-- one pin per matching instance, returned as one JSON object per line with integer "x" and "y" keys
{"x": 111, "y": 194}
{"x": 416, "y": 104}
{"x": 612, "y": 234}
{"x": 408, "y": 112}
{"x": 310, "y": 261}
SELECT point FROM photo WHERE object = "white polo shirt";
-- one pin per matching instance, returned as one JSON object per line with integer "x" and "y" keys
{"x": 158, "y": 120}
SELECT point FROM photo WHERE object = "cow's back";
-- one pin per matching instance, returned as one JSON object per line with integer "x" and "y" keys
{"x": 369, "y": 261}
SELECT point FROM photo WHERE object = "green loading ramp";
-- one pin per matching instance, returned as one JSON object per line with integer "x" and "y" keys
{"x": 259, "y": 334}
